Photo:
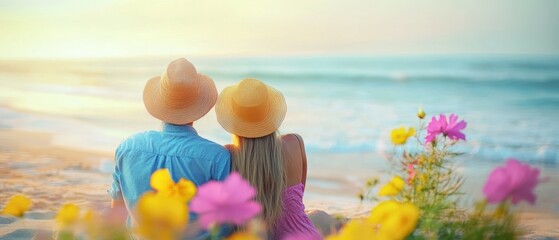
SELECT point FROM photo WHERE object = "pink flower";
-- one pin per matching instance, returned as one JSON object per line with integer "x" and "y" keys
{"x": 450, "y": 129}
{"x": 230, "y": 201}
{"x": 515, "y": 180}
{"x": 411, "y": 173}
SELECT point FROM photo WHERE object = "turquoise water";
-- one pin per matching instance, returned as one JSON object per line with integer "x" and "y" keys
{"x": 338, "y": 104}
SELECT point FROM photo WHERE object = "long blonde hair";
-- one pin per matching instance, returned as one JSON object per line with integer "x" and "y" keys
{"x": 259, "y": 160}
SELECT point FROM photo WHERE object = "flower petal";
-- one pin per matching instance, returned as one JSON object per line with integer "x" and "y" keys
{"x": 523, "y": 180}
{"x": 497, "y": 188}
{"x": 161, "y": 180}
{"x": 187, "y": 190}
{"x": 68, "y": 215}
{"x": 240, "y": 189}
{"x": 17, "y": 205}
{"x": 382, "y": 211}
{"x": 210, "y": 195}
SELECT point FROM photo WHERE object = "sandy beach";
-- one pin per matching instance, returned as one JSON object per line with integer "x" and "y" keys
{"x": 52, "y": 175}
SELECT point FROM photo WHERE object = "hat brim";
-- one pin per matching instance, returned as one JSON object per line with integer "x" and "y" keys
{"x": 154, "y": 103}
{"x": 228, "y": 119}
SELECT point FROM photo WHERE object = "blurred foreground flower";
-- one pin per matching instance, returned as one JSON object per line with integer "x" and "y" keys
{"x": 356, "y": 229}
{"x": 161, "y": 181}
{"x": 243, "y": 236}
{"x": 450, "y": 129}
{"x": 17, "y": 205}
{"x": 392, "y": 188}
{"x": 160, "y": 216}
{"x": 400, "y": 135}
{"x": 104, "y": 224}
{"x": 68, "y": 215}
{"x": 92, "y": 224}
{"x": 394, "y": 220}
{"x": 514, "y": 180}
{"x": 230, "y": 201}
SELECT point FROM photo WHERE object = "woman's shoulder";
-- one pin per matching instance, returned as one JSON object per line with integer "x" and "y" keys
{"x": 293, "y": 142}
{"x": 292, "y": 137}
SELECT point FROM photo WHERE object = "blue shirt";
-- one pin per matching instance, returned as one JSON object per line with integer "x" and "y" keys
{"x": 177, "y": 148}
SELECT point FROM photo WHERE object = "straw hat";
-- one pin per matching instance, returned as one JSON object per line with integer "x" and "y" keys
{"x": 180, "y": 95}
{"x": 250, "y": 109}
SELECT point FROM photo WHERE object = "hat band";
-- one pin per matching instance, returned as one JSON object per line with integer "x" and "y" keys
{"x": 177, "y": 96}
{"x": 251, "y": 114}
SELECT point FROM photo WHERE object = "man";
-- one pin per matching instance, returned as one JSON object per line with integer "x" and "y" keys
{"x": 178, "y": 97}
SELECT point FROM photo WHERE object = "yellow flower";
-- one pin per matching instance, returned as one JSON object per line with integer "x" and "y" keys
{"x": 383, "y": 211}
{"x": 356, "y": 229}
{"x": 68, "y": 215}
{"x": 160, "y": 216}
{"x": 399, "y": 136}
{"x": 92, "y": 224}
{"x": 17, "y": 205}
{"x": 394, "y": 220}
{"x": 161, "y": 181}
{"x": 392, "y": 188}
{"x": 423, "y": 178}
{"x": 418, "y": 188}
{"x": 400, "y": 223}
{"x": 243, "y": 236}
{"x": 420, "y": 113}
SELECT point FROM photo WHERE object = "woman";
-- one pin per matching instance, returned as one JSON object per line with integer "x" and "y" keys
{"x": 275, "y": 165}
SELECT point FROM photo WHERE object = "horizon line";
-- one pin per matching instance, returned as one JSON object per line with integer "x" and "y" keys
{"x": 256, "y": 56}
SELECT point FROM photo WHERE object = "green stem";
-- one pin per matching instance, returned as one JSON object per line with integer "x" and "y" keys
{"x": 214, "y": 232}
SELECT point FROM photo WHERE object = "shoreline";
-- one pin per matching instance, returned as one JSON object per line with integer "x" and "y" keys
{"x": 53, "y": 175}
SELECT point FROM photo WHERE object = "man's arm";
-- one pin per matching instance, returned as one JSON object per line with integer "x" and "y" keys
{"x": 118, "y": 202}
{"x": 221, "y": 166}
{"x": 114, "y": 190}
{"x": 118, "y": 212}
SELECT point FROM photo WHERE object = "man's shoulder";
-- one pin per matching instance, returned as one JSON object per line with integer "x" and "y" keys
{"x": 212, "y": 146}
{"x": 138, "y": 138}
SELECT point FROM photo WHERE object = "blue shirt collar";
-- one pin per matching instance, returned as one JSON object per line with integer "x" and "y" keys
{"x": 182, "y": 129}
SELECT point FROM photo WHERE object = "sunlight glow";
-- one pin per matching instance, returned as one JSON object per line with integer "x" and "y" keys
{"x": 116, "y": 28}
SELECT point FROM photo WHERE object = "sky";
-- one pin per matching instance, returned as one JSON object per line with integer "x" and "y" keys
{"x": 129, "y": 28}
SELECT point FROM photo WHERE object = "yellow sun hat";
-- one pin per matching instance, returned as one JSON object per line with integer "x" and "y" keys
{"x": 250, "y": 109}
{"x": 180, "y": 95}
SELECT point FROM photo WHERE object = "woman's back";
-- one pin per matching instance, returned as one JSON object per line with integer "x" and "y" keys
{"x": 294, "y": 220}
{"x": 294, "y": 159}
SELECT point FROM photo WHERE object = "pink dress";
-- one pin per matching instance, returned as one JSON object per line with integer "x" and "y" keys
{"x": 294, "y": 222}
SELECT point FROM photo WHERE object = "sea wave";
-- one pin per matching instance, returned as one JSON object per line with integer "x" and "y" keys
{"x": 424, "y": 76}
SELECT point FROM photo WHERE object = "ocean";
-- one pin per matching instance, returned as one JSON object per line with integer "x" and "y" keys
{"x": 340, "y": 105}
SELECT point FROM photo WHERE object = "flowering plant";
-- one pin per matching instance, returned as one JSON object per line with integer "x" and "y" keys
{"x": 426, "y": 179}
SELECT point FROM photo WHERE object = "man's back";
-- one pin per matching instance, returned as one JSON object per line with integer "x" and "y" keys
{"x": 177, "y": 148}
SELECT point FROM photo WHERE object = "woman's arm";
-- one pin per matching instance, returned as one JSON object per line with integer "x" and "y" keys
{"x": 303, "y": 158}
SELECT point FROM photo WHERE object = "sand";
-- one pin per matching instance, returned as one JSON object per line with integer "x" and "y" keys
{"x": 53, "y": 175}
